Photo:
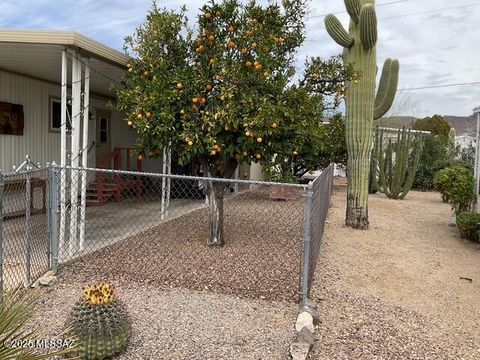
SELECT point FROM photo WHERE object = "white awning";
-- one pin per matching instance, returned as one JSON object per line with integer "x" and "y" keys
{"x": 37, "y": 54}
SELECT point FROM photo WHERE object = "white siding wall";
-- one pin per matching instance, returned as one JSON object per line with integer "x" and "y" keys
{"x": 44, "y": 146}
{"x": 36, "y": 141}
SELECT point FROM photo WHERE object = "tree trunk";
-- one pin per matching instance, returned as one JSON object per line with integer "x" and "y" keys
{"x": 357, "y": 193}
{"x": 215, "y": 193}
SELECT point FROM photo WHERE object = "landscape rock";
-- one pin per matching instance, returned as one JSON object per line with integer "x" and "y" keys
{"x": 299, "y": 351}
{"x": 47, "y": 279}
{"x": 315, "y": 314}
{"x": 305, "y": 336}
{"x": 304, "y": 319}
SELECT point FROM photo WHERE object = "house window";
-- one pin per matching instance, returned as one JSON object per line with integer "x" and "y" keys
{"x": 103, "y": 130}
{"x": 56, "y": 115}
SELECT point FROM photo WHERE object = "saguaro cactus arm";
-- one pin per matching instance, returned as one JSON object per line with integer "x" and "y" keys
{"x": 337, "y": 31}
{"x": 387, "y": 88}
{"x": 353, "y": 9}
{"x": 368, "y": 26}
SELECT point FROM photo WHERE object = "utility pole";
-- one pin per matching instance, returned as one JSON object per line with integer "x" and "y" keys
{"x": 476, "y": 111}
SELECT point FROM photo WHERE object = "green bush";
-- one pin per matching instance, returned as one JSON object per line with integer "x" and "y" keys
{"x": 434, "y": 157}
{"x": 456, "y": 184}
{"x": 468, "y": 224}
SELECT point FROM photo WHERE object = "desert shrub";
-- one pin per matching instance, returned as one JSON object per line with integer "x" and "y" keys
{"x": 434, "y": 157}
{"x": 456, "y": 184}
{"x": 436, "y": 124}
{"x": 468, "y": 224}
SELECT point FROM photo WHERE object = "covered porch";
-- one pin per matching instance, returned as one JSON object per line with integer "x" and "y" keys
{"x": 57, "y": 95}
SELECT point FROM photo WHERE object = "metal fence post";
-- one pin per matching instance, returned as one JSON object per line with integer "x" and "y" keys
{"x": 54, "y": 210}
{"x": 28, "y": 226}
{"x": 306, "y": 244}
{"x": 2, "y": 183}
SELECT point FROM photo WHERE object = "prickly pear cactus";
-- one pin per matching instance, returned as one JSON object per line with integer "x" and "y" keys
{"x": 99, "y": 323}
{"x": 362, "y": 106}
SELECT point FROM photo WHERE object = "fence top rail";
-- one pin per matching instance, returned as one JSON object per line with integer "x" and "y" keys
{"x": 325, "y": 172}
{"x": 185, "y": 177}
{"x": 23, "y": 172}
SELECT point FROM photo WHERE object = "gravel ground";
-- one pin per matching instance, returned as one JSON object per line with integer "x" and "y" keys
{"x": 394, "y": 292}
{"x": 186, "y": 324}
{"x": 163, "y": 275}
{"x": 261, "y": 258}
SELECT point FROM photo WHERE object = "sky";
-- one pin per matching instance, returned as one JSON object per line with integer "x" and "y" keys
{"x": 436, "y": 41}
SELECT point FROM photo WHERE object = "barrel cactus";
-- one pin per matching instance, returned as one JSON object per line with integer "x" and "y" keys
{"x": 362, "y": 106}
{"x": 99, "y": 323}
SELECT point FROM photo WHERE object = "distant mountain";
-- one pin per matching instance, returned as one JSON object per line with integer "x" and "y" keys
{"x": 464, "y": 125}
{"x": 396, "y": 122}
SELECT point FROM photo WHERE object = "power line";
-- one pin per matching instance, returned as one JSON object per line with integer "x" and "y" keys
{"x": 344, "y": 11}
{"x": 413, "y": 14}
{"x": 93, "y": 69}
{"x": 420, "y": 13}
{"x": 440, "y": 86}
{"x": 431, "y": 11}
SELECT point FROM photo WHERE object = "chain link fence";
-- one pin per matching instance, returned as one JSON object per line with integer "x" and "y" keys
{"x": 119, "y": 226}
{"x": 24, "y": 229}
{"x": 318, "y": 203}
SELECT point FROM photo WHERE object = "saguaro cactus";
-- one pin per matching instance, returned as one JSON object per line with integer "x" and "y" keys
{"x": 362, "y": 107}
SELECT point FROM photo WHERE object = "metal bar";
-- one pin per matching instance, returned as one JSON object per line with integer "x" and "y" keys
{"x": 306, "y": 244}
{"x": 28, "y": 228}
{"x": 63, "y": 149}
{"x": 54, "y": 211}
{"x": 199, "y": 178}
{"x": 237, "y": 176}
{"x": 75, "y": 152}
{"x": 86, "y": 106}
{"x": 2, "y": 183}
{"x": 169, "y": 171}
{"x": 164, "y": 189}
{"x": 477, "y": 155}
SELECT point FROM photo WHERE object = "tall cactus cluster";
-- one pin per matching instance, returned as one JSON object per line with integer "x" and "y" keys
{"x": 99, "y": 323}
{"x": 452, "y": 134}
{"x": 362, "y": 106}
{"x": 399, "y": 163}
{"x": 377, "y": 153}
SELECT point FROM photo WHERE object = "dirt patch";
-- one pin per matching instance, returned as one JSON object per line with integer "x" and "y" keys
{"x": 395, "y": 291}
{"x": 261, "y": 258}
{"x": 185, "y": 324}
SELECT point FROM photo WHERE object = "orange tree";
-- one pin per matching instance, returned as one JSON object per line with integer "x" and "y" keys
{"x": 309, "y": 139}
{"x": 217, "y": 93}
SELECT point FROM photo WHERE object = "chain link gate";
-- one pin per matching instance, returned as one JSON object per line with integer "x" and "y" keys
{"x": 24, "y": 224}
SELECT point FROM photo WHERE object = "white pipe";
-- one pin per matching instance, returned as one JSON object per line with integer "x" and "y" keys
{"x": 76, "y": 128}
{"x": 63, "y": 151}
{"x": 164, "y": 170}
{"x": 86, "y": 104}
{"x": 169, "y": 171}
{"x": 237, "y": 176}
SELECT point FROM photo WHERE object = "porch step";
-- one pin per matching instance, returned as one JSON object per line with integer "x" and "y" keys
{"x": 107, "y": 191}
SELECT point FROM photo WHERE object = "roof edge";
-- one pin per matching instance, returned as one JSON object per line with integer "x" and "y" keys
{"x": 89, "y": 46}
